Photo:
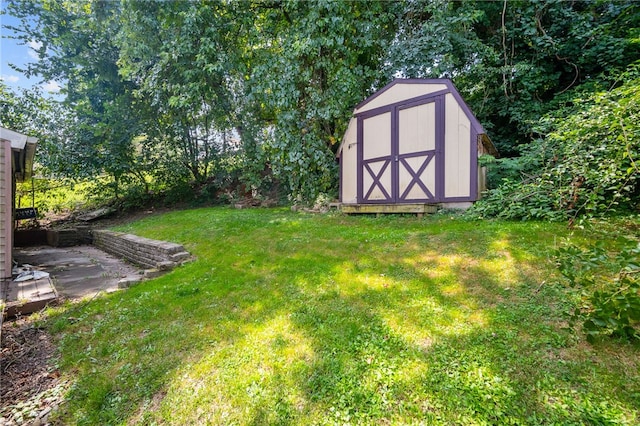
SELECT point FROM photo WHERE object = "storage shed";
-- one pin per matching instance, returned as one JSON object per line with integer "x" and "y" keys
{"x": 410, "y": 147}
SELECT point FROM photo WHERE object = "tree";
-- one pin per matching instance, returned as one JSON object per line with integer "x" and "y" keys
{"x": 31, "y": 113}
{"x": 173, "y": 91}
{"x": 182, "y": 55}
{"x": 317, "y": 60}
{"x": 77, "y": 48}
{"x": 511, "y": 60}
{"x": 281, "y": 76}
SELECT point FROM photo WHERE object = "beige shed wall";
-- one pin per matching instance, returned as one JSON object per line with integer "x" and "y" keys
{"x": 6, "y": 215}
{"x": 349, "y": 159}
{"x": 385, "y": 180}
{"x": 457, "y": 155}
{"x": 401, "y": 92}
{"x": 417, "y": 132}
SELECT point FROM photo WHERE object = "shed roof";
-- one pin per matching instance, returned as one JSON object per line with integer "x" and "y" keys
{"x": 385, "y": 97}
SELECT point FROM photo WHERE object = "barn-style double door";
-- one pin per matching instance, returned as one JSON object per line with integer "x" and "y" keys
{"x": 400, "y": 153}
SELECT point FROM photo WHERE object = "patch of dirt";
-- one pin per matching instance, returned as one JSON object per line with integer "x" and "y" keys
{"x": 67, "y": 220}
{"x": 31, "y": 384}
{"x": 147, "y": 409}
{"x": 112, "y": 219}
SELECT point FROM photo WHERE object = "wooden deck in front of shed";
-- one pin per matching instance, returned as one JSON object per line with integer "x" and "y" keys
{"x": 416, "y": 208}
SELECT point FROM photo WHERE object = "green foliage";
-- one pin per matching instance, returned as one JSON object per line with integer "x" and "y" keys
{"x": 102, "y": 119}
{"x": 164, "y": 93}
{"x": 31, "y": 113}
{"x": 320, "y": 59}
{"x": 597, "y": 145}
{"x": 55, "y": 195}
{"x": 512, "y": 59}
{"x": 608, "y": 285}
{"x": 588, "y": 163}
{"x": 536, "y": 200}
{"x": 183, "y": 60}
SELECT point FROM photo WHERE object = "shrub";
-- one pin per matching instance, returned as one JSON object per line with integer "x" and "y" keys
{"x": 608, "y": 285}
{"x": 587, "y": 162}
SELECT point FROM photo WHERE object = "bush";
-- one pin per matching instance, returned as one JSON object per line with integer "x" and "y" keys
{"x": 608, "y": 285}
{"x": 537, "y": 200}
{"x": 587, "y": 162}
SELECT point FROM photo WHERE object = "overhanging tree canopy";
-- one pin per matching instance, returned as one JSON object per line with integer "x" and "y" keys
{"x": 162, "y": 90}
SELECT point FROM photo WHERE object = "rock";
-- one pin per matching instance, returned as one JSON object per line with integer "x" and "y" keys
{"x": 128, "y": 282}
{"x": 178, "y": 257}
{"x": 152, "y": 273}
{"x": 96, "y": 214}
{"x": 165, "y": 266}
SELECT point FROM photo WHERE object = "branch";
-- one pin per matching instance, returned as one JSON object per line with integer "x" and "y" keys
{"x": 504, "y": 49}
{"x": 575, "y": 67}
{"x": 626, "y": 139}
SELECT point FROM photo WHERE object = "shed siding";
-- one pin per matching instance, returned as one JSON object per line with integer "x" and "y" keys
{"x": 377, "y": 136}
{"x": 414, "y": 141}
{"x": 385, "y": 181}
{"x": 417, "y": 133}
{"x": 348, "y": 160}
{"x": 401, "y": 92}
{"x": 457, "y": 155}
{"x": 6, "y": 219}
{"x": 428, "y": 176}
{"x": 417, "y": 128}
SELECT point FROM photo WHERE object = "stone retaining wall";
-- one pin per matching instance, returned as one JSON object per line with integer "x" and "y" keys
{"x": 144, "y": 252}
{"x": 69, "y": 237}
{"x": 78, "y": 236}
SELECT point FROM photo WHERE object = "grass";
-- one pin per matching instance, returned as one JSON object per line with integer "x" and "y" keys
{"x": 288, "y": 318}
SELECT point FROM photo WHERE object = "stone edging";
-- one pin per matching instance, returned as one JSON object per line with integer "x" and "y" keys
{"x": 153, "y": 255}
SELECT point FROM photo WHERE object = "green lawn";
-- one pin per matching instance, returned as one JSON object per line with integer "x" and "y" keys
{"x": 289, "y": 318}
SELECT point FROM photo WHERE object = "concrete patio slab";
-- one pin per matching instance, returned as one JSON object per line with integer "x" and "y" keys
{"x": 80, "y": 271}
